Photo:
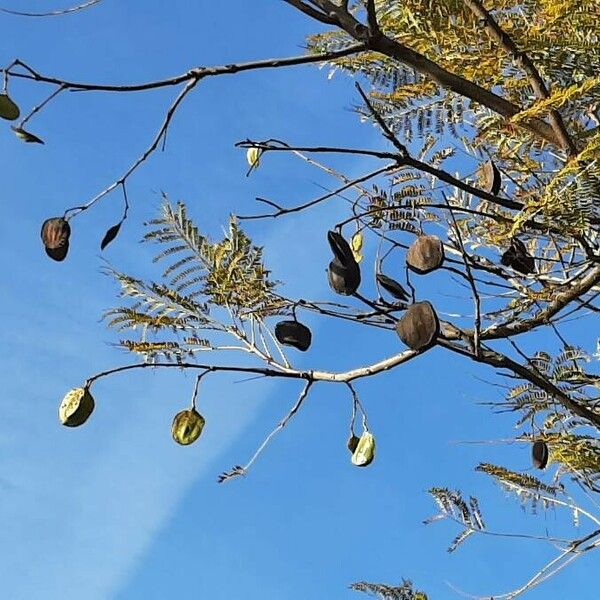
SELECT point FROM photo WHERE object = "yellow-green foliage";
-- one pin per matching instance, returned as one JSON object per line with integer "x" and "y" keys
{"x": 562, "y": 38}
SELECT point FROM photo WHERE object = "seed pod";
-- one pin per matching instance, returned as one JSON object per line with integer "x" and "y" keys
{"x": 55, "y": 235}
{"x": 539, "y": 454}
{"x": 253, "y": 156}
{"x": 340, "y": 248}
{"x": 8, "y": 109}
{"x": 425, "y": 254}
{"x": 419, "y": 327}
{"x": 187, "y": 426}
{"x": 357, "y": 244}
{"x": 343, "y": 280}
{"x": 76, "y": 407}
{"x": 27, "y": 136}
{"x": 518, "y": 258}
{"x": 352, "y": 443}
{"x": 490, "y": 178}
{"x": 364, "y": 453}
{"x": 293, "y": 333}
{"x": 392, "y": 287}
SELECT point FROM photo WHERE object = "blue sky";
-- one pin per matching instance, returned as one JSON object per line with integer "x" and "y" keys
{"x": 115, "y": 510}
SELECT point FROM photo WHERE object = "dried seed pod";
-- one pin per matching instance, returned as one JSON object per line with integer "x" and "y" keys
{"x": 352, "y": 443}
{"x": 539, "y": 454}
{"x": 425, "y": 254}
{"x": 340, "y": 248}
{"x": 490, "y": 178}
{"x": 76, "y": 407}
{"x": 8, "y": 109}
{"x": 364, "y": 452}
{"x": 343, "y": 280}
{"x": 55, "y": 235}
{"x": 27, "y": 136}
{"x": 293, "y": 333}
{"x": 392, "y": 287}
{"x": 518, "y": 258}
{"x": 419, "y": 327}
{"x": 187, "y": 426}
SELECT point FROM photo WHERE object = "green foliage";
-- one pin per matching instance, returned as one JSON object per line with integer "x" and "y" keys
{"x": 200, "y": 277}
{"x": 529, "y": 490}
{"x": 452, "y": 506}
{"x": 404, "y": 591}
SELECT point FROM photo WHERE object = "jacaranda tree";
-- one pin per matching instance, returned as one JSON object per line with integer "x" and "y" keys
{"x": 488, "y": 174}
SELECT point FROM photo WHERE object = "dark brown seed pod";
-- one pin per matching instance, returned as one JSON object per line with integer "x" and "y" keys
{"x": 392, "y": 287}
{"x": 425, "y": 254}
{"x": 419, "y": 327}
{"x": 343, "y": 280}
{"x": 490, "y": 178}
{"x": 352, "y": 443}
{"x": 8, "y": 109}
{"x": 55, "y": 235}
{"x": 518, "y": 258}
{"x": 187, "y": 426}
{"x": 293, "y": 333}
{"x": 341, "y": 248}
{"x": 539, "y": 454}
{"x": 110, "y": 235}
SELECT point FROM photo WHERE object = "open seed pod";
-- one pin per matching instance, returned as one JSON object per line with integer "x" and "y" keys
{"x": 364, "y": 453}
{"x": 425, "y": 254}
{"x": 76, "y": 407}
{"x": 539, "y": 454}
{"x": 391, "y": 286}
{"x": 352, "y": 443}
{"x": 8, "y": 109}
{"x": 419, "y": 326}
{"x": 27, "y": 136}
{"x": 343, "y": 280}
{"x": 187, "y": 426}
{"x": 518, "y": 258}
{"x": 292, "y": 333}
{"x": 490, "y": 178}
{"x": 55, "y": 235}
{"x": 340, "y": 248}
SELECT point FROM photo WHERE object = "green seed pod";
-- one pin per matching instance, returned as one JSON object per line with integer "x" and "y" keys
{"x": 55, "y": 235}
{"x": 425, "y": 254}
{"x": 187, "y": 426}
{"x": 364, "y": 453}
{"x": 419, "y": 327}
{"x": 76, "y": 407}
{"x": 8, "y": 109}
{"x": 293, "y": 333}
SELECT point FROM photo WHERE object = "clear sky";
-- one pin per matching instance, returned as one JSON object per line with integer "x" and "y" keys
{"x": 115, "y": 510}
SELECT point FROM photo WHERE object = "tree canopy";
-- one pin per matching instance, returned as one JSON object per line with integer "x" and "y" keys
{"x": 486, "y": 180}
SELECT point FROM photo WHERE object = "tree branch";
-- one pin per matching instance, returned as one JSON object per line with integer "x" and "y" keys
{"x": 537, "y": 83}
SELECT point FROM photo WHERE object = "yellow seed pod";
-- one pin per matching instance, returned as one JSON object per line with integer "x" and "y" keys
{"x": 253, "y": 156}
{"x": 365, "y": 450}
{"x": 187, "y": 426}
{"x": 76, "y": 407}
{"x": 8, "y": 109}
{"x": 357, "y": 244}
